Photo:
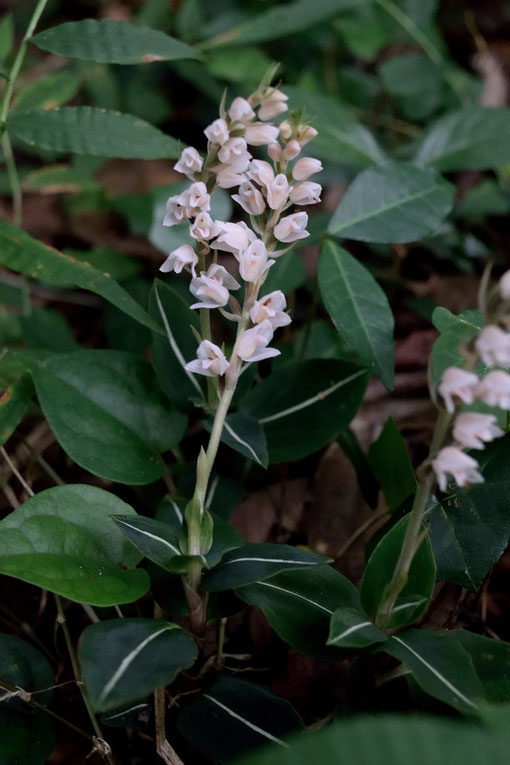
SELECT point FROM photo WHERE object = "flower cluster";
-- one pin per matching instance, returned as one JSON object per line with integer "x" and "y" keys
{"x": 471, "y": 430}
{"x": 265, "y": 189}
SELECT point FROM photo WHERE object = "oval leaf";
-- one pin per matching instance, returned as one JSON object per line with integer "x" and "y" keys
{"x": 359, "y": 310}
{"x": 22, "y": 666}
{"x": 92, "y": 131}
{"x": 107, "y": 413}
{"x": 14, "y": 402}
{"x": 64, "y": 540}
{"x": 304, "y": 405}
{"x": 112, "y": 42}
{"x": 412, "y": 602}
{"x": 158, "y": 541}
{"x": 256, "y": 562}
{"x": 394, "y": 202}
{"x": 351, "y": 628}
{"x": 124, "y": 660}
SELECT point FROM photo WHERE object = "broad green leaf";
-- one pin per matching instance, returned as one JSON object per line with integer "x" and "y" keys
{"x": 158, "y": 541}
{"x": 107, "y": 413}
{"x": 386, "y": 740}
{"x": 412, "y": 602}
{"x": 392, "y": 467}
{"x": 469, "y": 529}
{"x": 440, "y": 665}
{"x": 64, "y": 540}
{"x": 299, "y": 606}
{"x": 473, "y": 138}
{"x": 26, "y": 737}
{"x": 366, "y": 479}
{"x": 14, "y": 402}
{"x": 91, "y": 131}
{"x": 280, "y": 21}
{"x": 29, "y": 256}
{"x": 484, "y": 199}
{"x": 234, "y": 716}
{"x": 246, "y": 435}
{"x": 351, "y": 628}
{"x": 491, "y": 659}
{"x": 341, "y": 138}
{"x": 171, "y": 353}
{"x": 47, "y": 92}
{"x": 243, "y": 65}
{"x": 393, "y": 202}
{"x": 304, "y": 405}
{"x": 23, "y": 666}
{"x": 115, "y": 263}
{"x": 47, "y": 329}
{"x": 58, "y": 179}
{"x": 455, "y": 331}
{"x": 415, "y": 83}
{"x": 359, "y": 310}
{"x": 112, "y": 42}
{"x": 257, "y": 562}
{"x": 320, "y": 341}
{"x": 124, "y": 660}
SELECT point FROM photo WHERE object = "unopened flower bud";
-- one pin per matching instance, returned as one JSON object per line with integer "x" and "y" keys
{"x": 259, "y": 134}
{"x": 261, "y": 172}
{"x": 275, "y": 151}
{"x": 272, "y": 103}
{"x": 462, "y": 467}
{"x": 285, "y": 130}
{"x": 217, "y": 132}
{"x": 305, "y": 167}
{"x": 253, "y": 262}
{"x": 240, "y": 110}
{"x": 305, "y": 134}
{"x": 190, "y": 162}
{"x": 292, "y": 227}
{"x": 292, "y": 150}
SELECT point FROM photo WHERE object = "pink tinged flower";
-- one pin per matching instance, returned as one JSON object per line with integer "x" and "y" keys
{"x": 504, "y": 286}
{"x": 306, "y": 193}
{"x": 292, "y": 227}
{"x": 305, "y": 167}
{"x": 494, "y": 389}
{"x": 292, "y": 150}
{"x": 271, "y": 307}
{"x": 454, "y": 462}
{"x": 227, "y": 177}
{"x": 183, "y": 256}
{"x": 250, "y": 199}
{"x": 493, "y": 346}
{"x": 212, "y": 287}
{"x": 259, "y": 134}
{"x": 204, "y": 227}
{"x": 195, "y": 199}
{"x": 231, "y": 149}
{"x": 471, "y": 429}
{"x": 220, "y": 273}
{"x": 253, "y": 343}
{"x": 460, "y": 383}
{"x": 189, "y": 162}
{"x": 175, "y": 212}
{"x": 240, "y": 110}
{"x": 253, "y": 262}
{"x": 261, "y": 172}
{"x": 277, "y": 192}
{"x": 275, "y": 151}
{"x": 210, "y": 361}
{"x": 272, "y": 103}
{"x": 234, "y": 237}
{"x": 305, "y": 134}
{"x": 217, "y": 132}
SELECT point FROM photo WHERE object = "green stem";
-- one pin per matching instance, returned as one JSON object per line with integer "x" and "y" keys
{"x": 77, "y": 673}
{"x": 205, "y": 331}
{"x": 412, "y": 538}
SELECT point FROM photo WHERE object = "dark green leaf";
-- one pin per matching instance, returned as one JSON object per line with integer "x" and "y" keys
{"x": 359, "y": 309}
{"x": 124, "y": 660}
{"x": 392, "y": 467}
{"x": 107, "y": 413}
{"x": 394, "y": 202}
{"x": 47, "y": 329}
{"x": 287, "y": 274}
{"x": 256, "y": 562}
{"x": 491, "y": 659}
{"x": 26, "y": 737}
{"x": 22, "y": 666}
{"x": 415, "y": 82}
{"x": 92, "y": 131}
{"x": 112, "y": 42}
{"x": 246, "y": 435}
{"x": 367, "y": 481}
{"x": 64, "y": 540}
{"x": 158, "y": 541}
{"x": 47, "y": 92}
{"x": 14, "y": 402}
{"x": 304, "y": 405}
{"x": 414, "y": 598}
{"x": 455, "y": 331}
{"x": 33, "y": 258}
{"x": 351, "y": 628}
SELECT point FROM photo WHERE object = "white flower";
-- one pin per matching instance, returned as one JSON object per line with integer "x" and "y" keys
{"x": 494, "y": 389}
{"x": 217, "y": 132}
{"x": 277, "y": 192}
{"x": 275, "y": 151}
{"x": 194, "y": 199}
{"x": 204, "y": 227}
{"x": 271, "y": 307}
{"x": 212, "y": 287}
{"x": 504, "y": 286}
{"x": 253, "y": 342}
{"x": 457, "y": 382}
{"x": 272, "y": 103}
{"x": 250, "y": 199}
{"x": 227, "y": 177}
{"x": 190, "y": 162}
{"x": 493, "y": 346}
{"x": 175, "y": 212}
{"x": 285, "y": 130}
{"x": 461, "y": 466}
{"x": 305, "y": 167}
{"x": 306, "y": 193}
{"x": 240, "y": 110}
{"x": 261, "y": 172}
{"x": 292, "y": 227}
{"x": 234, "y": 237}
{"x": 253, "y": 262}
{"x": 183, "y": 256}
{"x": 305, "y": 134}
{"x": 471, "y": 429}
{"x": 210, "y": 360}
{"x": 234, "y": 149}
{"x": 259, "y": 134}
{"x": 292, "y": 150}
